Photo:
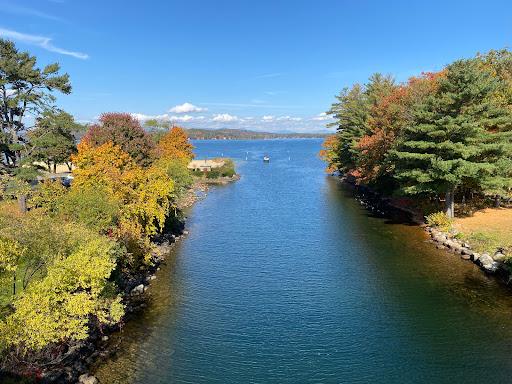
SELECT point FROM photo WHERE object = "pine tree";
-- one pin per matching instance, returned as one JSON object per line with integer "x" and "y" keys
{"x": 460, "y": 136}
{"x": 351, "y": 114}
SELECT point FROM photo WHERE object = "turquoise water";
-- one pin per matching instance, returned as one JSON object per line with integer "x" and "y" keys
{"x": 284, "y": 278}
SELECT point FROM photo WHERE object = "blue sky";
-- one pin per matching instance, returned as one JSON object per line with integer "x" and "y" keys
{"x": 268, "y": 64}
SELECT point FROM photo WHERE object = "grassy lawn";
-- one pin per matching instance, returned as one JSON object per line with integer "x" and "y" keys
{"x": 488, "y": 229}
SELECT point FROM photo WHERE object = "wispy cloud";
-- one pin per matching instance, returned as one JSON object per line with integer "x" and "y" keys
{"x": 24, "y": 11}
{"x": 247, "y": 105}
{"x": 40, "y": 41}
{"x": 268, "y": 75}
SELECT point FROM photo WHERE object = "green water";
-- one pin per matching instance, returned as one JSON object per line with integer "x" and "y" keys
{"x": 284, "y": 278}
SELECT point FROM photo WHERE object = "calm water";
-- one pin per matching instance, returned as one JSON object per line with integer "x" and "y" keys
{"x": 284, "y": 278}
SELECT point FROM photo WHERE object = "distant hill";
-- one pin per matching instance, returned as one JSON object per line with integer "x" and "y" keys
{"x": 241, "y": 134}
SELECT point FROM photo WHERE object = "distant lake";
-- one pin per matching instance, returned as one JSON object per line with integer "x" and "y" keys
{"x": 285, "y": 278}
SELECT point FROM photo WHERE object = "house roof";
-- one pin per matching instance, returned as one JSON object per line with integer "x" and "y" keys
{"x": 200, "y": 163}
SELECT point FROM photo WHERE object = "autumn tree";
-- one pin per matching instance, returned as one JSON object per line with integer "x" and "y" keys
{"x": 330, "y": 152}
{"x": 352, "y": 113}
{"x": 175, "y": 144}
{"x": 389, "y": 115}
{"x": 124, "y": 131}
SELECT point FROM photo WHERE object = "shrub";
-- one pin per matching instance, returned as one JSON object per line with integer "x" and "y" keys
{"x": 440, "y": 220}
{"x": 93, "y": 207}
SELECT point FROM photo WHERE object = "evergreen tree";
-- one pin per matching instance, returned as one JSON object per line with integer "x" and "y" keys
{"x": 460, "y": 136}
{"x": 24, "y": 89}
{"x": 351, "y": 114}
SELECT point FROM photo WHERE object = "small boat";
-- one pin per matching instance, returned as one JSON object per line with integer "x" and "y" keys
{"x": 266, "y": 159}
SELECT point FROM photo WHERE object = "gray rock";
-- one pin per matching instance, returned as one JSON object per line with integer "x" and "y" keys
{"x": 440, "y": 246}
{"x": 439, "y": 238}
{"x": 466, "y": 245}
{"x": 485, "y": 259}
{"x": 466, "y": 251}
{"x": 475, "y": 256}
{"x": 104, "y": 338}
{"x": 492, "y": 267}
{"x": 139, "y": 289}
{"x": 87, "y": 379}
{"x": 465, "y": 256}
{"x": 185, "y": 233}
{"x": 152, "y": 277}
{"x": 498, "y": 256}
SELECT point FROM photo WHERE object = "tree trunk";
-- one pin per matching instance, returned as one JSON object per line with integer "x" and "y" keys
{"x": 497, "y": 201}
{"x": 22, "y": 203}
{"x": 54, "y": 167}
{"x": 14, "y": 284}
{"x": 449, "y": 203}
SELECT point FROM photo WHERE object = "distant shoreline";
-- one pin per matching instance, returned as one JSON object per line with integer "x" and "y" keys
{"x": 240, "y": 134}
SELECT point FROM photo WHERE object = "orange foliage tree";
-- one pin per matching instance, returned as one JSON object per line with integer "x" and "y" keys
{"x": 329, "y": 153}
{"x": 175, "y": 144}
{"x": 388, "y": 117}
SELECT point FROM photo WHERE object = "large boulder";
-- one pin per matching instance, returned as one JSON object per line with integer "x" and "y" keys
{"x": 485, "y": 259}
{"x": 87, "y": 379}
{"x": 498, "y": 256}
{"x": 492, "y": 268}
{"x": 138, "y": 290}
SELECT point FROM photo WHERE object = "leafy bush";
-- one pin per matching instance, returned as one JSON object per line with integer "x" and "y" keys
{"x": 93, "y": 207}
{"x": 440, "y": 220}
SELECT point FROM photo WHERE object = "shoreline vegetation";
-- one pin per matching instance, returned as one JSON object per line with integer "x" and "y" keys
{"x": 439, "y": 147}
{"x": 230, "y": 134}
{"x": 76, "y": 257}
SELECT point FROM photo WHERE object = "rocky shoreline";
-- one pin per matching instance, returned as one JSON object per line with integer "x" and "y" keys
{"x": 492, "y": 263}
{"x": 75, "y": 359}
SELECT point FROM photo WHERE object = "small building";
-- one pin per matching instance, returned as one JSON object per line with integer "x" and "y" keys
{"x": 205, "y": 165}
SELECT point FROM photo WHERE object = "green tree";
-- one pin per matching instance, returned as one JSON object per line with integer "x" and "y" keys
{"x": 352, "y": 112}
{"x": 24, "y": 89}
{"x": 460, "y": 136}
{"x": 53, "y": 138}
{"x": 351, "y": 115}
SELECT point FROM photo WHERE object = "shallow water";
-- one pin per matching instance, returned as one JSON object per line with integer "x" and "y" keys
{"x": 284, "y": 278}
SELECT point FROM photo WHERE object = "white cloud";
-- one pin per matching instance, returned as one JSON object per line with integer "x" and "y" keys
{"x": 167, "y": 117}
{"x": 182, "y": 119}
{"x": 289, "y": 118}
{"x": 321, "y": 117}
{"x": 187, "y": 108}
{"x": 40, "y": 41}
{"x": 143, "y": 117}
{"x": 225, "y": 118}
{"x": 267, "y": 118}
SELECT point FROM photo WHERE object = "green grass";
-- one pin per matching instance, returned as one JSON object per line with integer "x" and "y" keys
{"x": 486, "y": 241}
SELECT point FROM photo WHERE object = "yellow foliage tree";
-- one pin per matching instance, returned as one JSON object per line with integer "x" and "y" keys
{"x": 59, "y": 307}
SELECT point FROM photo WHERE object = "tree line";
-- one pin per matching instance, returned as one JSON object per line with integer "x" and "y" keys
{"x": 68, "y": 254}
{"x": 441, "y": 135}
